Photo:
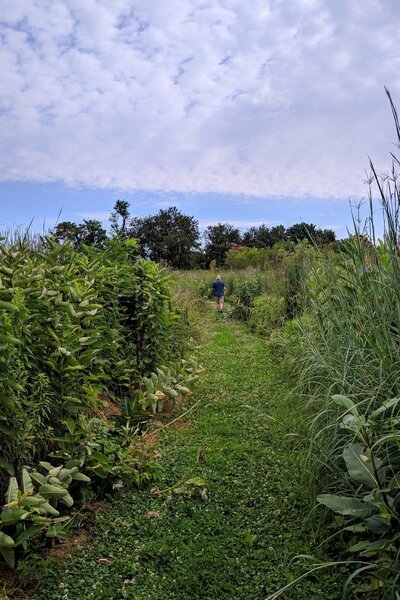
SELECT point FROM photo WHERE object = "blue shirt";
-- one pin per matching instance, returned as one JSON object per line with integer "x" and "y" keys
{"x": 218, "y": 288}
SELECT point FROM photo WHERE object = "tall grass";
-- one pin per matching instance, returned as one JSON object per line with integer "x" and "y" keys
{"x": 350, "y": 371}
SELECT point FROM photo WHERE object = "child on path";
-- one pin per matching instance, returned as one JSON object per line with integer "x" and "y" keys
{"x": 218, "y": 288}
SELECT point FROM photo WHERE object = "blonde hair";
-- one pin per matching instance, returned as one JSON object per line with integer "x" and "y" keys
{"x": 218, "y": 277}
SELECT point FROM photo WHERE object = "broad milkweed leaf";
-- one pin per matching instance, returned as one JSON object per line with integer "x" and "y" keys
{"x": 9, "y": 556}
{"x": 359, "y": 466}
{"x": 52, "y": 491}
{"x": 378, "y": 524}
{"x": 12, "y": 490}
{"x": 345, "y": 505}
{"x": 346, "y": 403}
{"x": 11, "y": 516}
{"x": 26, "y": 480}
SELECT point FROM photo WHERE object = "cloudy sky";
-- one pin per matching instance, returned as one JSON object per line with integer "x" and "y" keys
{"x": 247, "y": 112}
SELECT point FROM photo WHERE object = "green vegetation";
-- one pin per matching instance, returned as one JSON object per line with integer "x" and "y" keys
{"x": 173, "y": 239}
{"x": 289, "y": 463}
{"x": 230, "y": 513}
{"x": 91, "y": 346}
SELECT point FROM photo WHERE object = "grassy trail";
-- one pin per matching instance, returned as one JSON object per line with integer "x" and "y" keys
{"x": 239, "y": 541}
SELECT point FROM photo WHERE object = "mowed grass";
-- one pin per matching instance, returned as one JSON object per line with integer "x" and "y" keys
{"x": 234, "y": 541}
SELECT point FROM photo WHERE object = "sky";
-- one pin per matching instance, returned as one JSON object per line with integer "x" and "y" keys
{"x": 264, "y": 111}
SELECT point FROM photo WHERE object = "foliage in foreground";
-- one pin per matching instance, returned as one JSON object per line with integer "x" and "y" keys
{"x": 232, "y": 536}
{"x": 90, "y": 343}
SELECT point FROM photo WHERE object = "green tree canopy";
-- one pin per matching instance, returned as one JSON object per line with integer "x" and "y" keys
{"x": 168, "y": 236}
{"x": 120, "y": 217}
{"x": 90, "y": 232}
{"x": 309, "y": 232}
{"x": 263, "y": 236}
{"x": 217, "y": 239}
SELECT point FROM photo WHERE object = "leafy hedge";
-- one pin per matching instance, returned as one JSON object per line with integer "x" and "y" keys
{"x": 84, "y": 340}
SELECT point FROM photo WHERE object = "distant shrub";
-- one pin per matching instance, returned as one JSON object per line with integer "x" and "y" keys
{"x": 246, "y": 287}
{"x": 266, "y": 314}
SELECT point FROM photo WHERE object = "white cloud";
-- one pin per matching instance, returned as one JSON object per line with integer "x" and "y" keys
{"x": 264, "y": 98}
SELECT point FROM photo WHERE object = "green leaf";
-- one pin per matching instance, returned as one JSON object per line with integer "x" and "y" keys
{"x": 14, "y": 384}
{"x": 7, "y": 430}
{"x": 358, "y": 528}
{"x": 81, "y": 477}
{"x": 6, "y": 466}
{"x": 9, "y": 339}
{"x": 384, "y": 406}
{"x": 12, "y": 490}
{"x": 346, "y": 403}
{"x": 11, "y": 516}
{"x": 8, "y": 306}
{"x": 57, "y": 531}
{"x": 26, "y": 480}
{"x": 47, "y": 508}
{"x": 197, "y": 481}
{"x": 394, "y": 483}
{"x": 169, "y": 391}
{"x": 38, "y": 477}
{"x": 28, "y": 533}
{"x": 6, "y": 541}
{"x": 67, "y": 499}
{"x": 359, "y": 466}
{"x": 8, "y": 555}
{"x": 52, "y": 491}
{"x": 46, "y": 465}
{"x": 366, "y": 548}
{"x": 352, "y": 423}
{"x": 345, "y": 505}
{"x": 378, "y": 524}
{"x": 7, "y": 549}
{"x": 70, "y": 424}
{"x": 182, "y": 389}
{"x": 35, "y": 500}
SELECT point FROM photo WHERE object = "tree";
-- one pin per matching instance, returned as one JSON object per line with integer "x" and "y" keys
{"x": 217, "y": 238}
{"x": 301, "y": 231}
{"x": 309, "y": 232}
{"x": 325, "y": 236}
{"x": 263, "y": 236}
{"x": 120, "y": 217}
{"x": 168, "y": 236}
{"x": 67, "y": 231}
{"x": 90, "y": 232}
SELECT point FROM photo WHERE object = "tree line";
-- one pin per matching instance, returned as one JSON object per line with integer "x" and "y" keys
{"x": 174, "y": 238}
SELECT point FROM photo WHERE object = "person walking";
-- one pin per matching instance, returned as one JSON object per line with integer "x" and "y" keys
{"x": 218, "y": 288}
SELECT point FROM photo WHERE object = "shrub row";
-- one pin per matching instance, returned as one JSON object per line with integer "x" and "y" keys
{"x": 84, "y": 340}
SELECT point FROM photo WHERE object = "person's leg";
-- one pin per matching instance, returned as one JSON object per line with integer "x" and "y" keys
{"x": 221, "y": 303}
{"x": 217, "y": 301}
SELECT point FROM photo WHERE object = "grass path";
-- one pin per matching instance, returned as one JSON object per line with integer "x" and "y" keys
{"x": 239, "y": 541}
